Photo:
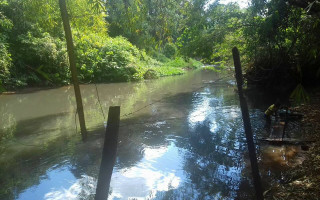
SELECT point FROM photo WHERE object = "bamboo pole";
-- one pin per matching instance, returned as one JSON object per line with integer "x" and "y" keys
{"x": 108, "y": 154}
{"x": 73, "y": 69}
{"x": 247, "y": 126}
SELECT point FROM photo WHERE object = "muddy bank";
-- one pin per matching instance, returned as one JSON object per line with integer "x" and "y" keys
{"x": 302, "y": 181}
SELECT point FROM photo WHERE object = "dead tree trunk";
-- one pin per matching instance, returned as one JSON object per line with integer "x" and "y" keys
{"x": 247, "y": 126}
{"x": 108, "y": 153}
{"x": 73, "y": 69}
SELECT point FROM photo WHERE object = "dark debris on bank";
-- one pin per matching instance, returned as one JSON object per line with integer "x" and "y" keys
{"x": 303, "y": 181}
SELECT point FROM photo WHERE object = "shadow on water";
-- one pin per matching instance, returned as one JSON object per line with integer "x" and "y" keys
{"x": 189, "y": 145}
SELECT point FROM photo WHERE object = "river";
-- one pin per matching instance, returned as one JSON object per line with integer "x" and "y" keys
{"x": 180, "y": 138}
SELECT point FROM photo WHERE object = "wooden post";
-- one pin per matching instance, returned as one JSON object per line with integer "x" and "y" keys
{"x": 73, "y": 69}
{"x": 285, "y": 124}
{"x": 247, "y": 126}
{"x": 108, "y": 154}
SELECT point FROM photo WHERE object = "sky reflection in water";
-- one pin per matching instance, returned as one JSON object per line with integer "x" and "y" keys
{"x": 60, "y": 184}
{"x": 159, "y": 170}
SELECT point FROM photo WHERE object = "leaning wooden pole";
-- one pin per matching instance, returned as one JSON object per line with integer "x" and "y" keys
{"x": 108, "y": 153}
{"x": 73, "y": 69}
{"x": 247, "y": 126}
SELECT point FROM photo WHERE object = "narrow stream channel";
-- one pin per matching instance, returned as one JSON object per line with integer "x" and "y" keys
{"x": 180, "y": 138}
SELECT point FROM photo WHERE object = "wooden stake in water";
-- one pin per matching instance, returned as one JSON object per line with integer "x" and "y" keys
{"x": 109, "y": 153}
{"x": 73, "y": 69}
{"x": 247, "y": 126}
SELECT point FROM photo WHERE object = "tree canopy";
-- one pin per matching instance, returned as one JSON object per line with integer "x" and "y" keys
{"x": 120, "y": 40}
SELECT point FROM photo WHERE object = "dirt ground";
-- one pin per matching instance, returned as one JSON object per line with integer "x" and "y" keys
{"x": 303, "y": 181}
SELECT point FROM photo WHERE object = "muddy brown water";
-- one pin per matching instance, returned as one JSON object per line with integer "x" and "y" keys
{"x": 180, "y": 138}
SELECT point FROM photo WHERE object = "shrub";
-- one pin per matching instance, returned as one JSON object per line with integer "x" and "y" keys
{"x": 170, "y": 50}
{"x": 104, "y": 59}
{"x": 178, "y": 62}
{"x": 5, "y": 56}
{"x": 150, "y": 74}
{"x": 194, "y": 64}
{"x": 158, "y": 56}
{"x": 43, "y": 59}
{"x": 5, "y": 63}
{"x": 168, "y": 71}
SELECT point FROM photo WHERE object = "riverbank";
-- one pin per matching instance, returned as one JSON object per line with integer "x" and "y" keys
{"x": 302, "y": 181}
{"x": 173, "y": 67}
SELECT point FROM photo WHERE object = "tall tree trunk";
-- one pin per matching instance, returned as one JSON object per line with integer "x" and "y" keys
{"x": 73, "y": 69}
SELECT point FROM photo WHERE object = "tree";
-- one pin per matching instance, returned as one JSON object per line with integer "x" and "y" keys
{"x": 282, "y": 45}
{"x": 5, "y": 57}
{"x": 146, "y": 23}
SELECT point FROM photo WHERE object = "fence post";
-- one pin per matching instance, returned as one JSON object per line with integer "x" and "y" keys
{"x": 73, "y": 68}
{"x": 109, "y": 153}
{"x": 247, "y": 126}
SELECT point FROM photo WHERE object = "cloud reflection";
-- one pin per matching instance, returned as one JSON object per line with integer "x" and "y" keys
{"x": 158, "y": 171}
{"x": 81, "y": 189}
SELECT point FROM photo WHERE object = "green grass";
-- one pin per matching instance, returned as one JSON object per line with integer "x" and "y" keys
{"x": 168, "y": 71}
{"x": 182, "y": 63}
{"x": 173, "y": 67}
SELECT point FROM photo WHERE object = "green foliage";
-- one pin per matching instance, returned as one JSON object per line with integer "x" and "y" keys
{"x": 43, "y": 58}
{"x": 5, "y": 56}
{"x": 179, "y": 62}
{"x": 158, "y": 56}
{"x": 274, "y": 39}
{"x": 299, "y": 95}
{"x": 212, "y": 33}
{"x": 5, "y": 64}
{"x": 194, "y": 64}
{"x": 150, "y": 74}
{"x": 168, "y": 71}
{"x": 170, "y": 50}
{"x": 37, "y": 51}
{"x": 282, "y": 45}
{"x": 105, "y": 59}
{"x": 146, "y": 23}
{"x": 211, "y": 68}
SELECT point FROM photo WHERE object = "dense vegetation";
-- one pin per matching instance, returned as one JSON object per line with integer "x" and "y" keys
{"x": 33, "y": 49}
{"x": 283, "y": 44}
{"x": 278, "y": 39}
{"x": 125, "y": 40}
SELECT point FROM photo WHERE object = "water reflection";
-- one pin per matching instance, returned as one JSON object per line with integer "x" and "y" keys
{"x": 189, "y": 145}
{"x": 62, "y": 185}
{"x": 159, "y": 170}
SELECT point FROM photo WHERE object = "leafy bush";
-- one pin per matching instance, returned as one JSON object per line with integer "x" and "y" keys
{"x": 105, "y": 59}
{"x": 36, "y": 54}
{"x": 170, "y": 50}
{"x": 5, "y": 56}
{"x": 158, "y": 56}
{"x": 150, "y": 74}
{"x": 5, "y": 63}
{"x": 43, "y": 59}
{"x": 178, "y": 62}
{"x": 194, "y": 64}
{"x": 168, "y": 71}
